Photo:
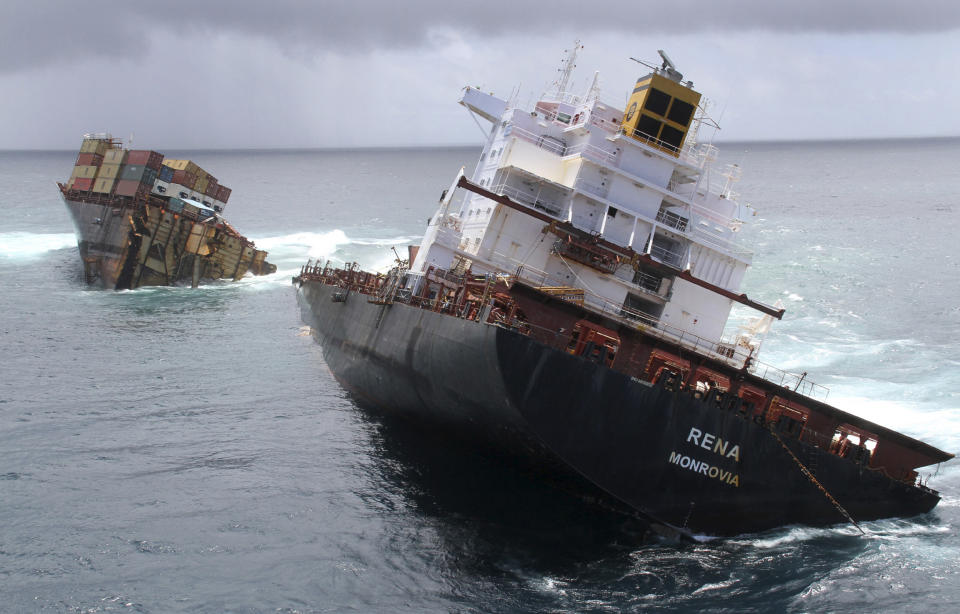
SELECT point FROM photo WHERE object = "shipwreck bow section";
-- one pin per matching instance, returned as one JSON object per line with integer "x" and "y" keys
{"x": 143, "y": 220}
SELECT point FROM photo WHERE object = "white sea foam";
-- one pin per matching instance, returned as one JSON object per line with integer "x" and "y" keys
{"x": 304, "y": 244}
{"x": 334, "y": 244}
{"x": 25, "y": 245}
{"x": 715, "y": 586}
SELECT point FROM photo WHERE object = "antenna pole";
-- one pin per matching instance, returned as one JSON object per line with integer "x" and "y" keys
{"x": 566, "y": 68}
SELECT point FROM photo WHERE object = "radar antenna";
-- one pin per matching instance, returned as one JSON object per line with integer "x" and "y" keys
{"x": 669, "y": 68}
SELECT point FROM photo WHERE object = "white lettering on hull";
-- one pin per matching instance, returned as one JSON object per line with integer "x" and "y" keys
{"x": 713, "y": 443}
{"x": 704, "y": 468}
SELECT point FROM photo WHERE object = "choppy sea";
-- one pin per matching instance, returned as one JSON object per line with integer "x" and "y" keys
{"x": 178, "y": 450}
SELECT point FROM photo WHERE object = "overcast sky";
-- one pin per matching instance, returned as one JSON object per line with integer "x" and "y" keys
{"x": 220, "y": 73}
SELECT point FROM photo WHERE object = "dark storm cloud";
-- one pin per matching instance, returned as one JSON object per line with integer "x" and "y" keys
{"x": 39, "y": 32}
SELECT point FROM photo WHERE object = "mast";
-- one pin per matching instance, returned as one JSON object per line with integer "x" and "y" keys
{"x": 566, "y": 68}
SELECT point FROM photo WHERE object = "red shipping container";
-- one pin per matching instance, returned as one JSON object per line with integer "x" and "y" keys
{"x": 89, "y": 159}
{"x": 223, "y": 194}
{"x": 84, "y": 185}
{"x": 145, "y": 157}
{"x": 129, "y": 187}
{"x": 212, "y": 188}
{"x": 184, "y": 178}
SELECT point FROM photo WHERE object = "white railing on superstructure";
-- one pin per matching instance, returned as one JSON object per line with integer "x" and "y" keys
{"x": 528, "y": 199}
{"x": 666, "y": 256}
{"x": 672, "y": 220}
{"x": 543, "y": 141}
{"x": 592, "y": 152}
{"x": 725, "y": 349}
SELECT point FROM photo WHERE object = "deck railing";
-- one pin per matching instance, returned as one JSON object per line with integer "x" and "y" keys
{"x": 725, "y": 349}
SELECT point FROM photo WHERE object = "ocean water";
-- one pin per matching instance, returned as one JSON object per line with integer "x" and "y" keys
{"x": 178, "y": 450}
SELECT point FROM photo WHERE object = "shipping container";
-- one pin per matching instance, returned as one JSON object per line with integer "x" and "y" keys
{"x": 180, "y": 191}
{"x": 223, "y": 194}
{"x": 83, "y": 184}
{"x": 145, "y": 157}
{"x": 128, "y": 187}
{"x": 109, "y": 171}
{"x": 115, "y": 156}
{"x": 182, "y": 165}
{"x": 166, "y": 173}
{"x": 212, "y": 188}
{"x": 104, "y": 185}
{"x": 184, "y": 178}
{"x": 89, "y": 159}
{"x": 138, "y": 172}
{"x": 175, "y": 205}
{"x": 85, "y": 172}
{"x": 201, "y": 184}
{"x": 97, "y": 146}
{"x": 161, "y": 187}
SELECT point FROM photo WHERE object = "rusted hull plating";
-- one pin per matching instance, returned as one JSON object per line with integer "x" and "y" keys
{"x": 690, "y": 464}
{"x": 126, "y": 243}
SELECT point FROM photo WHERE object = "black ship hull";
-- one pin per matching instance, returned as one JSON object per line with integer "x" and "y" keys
{"x": 681, "y": 461}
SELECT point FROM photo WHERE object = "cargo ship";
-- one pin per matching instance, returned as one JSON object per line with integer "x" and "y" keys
{"x": 569, "y": 301}
{"x": 145, "y": 220}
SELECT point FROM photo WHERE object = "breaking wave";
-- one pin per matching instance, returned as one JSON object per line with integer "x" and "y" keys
{"x": 26, "y": 245}
{"x": 289, "y": 252}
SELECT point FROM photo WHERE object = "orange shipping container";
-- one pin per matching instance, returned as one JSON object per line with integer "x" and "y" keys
{"x": 145, "y": 157}
{"x": 184, "y": 178}
{"x": 129, "y": 187}
{"x": 89, "y": 159}
{"x": 83, "y": 184}
{"x": 223, "y": 194}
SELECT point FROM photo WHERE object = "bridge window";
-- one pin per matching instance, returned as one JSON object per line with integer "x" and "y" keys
{"x": 657, "y": 102}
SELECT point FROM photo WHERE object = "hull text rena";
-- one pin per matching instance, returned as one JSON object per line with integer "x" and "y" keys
{"x": 569, "y": 300}
{"x": 142, "y": 220}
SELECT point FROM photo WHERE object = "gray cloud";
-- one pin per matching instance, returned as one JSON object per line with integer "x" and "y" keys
{"x": 35, "y": 33}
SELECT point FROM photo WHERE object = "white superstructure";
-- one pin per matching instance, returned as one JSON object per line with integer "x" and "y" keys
{"x": 650, "y": 217}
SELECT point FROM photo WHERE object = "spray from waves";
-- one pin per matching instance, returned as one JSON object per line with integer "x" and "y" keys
{"x": 28, "y": 245}
{"x": 289, "y": 252}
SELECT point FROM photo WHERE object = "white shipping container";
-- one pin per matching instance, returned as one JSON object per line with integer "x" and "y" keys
{"x": 162, "y": 188}
{"x": 176, "y": 190}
